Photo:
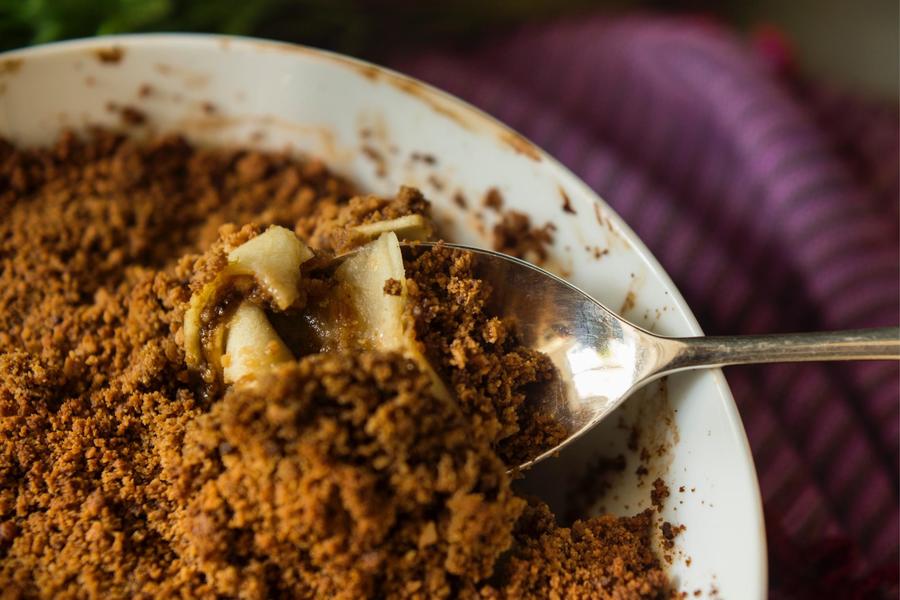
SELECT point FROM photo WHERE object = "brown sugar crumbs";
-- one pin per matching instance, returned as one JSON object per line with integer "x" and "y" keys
{"x": 516, "y": 236}
{"x": 493, "y": 200}
{"x": 123, "y": 474}
{"x": 478, "y": 354}
{"x": 393, "y": 287}
{"x": 659, "y": 493}
{"x": 603, "y": 557}
{"x": 669, "y": 533}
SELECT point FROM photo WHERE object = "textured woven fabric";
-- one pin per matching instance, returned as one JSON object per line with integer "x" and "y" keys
{"x": 773, "y": 204}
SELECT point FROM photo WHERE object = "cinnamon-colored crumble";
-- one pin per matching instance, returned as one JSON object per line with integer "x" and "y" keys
{"x": 331, "y": 227}
{"x": 338, "y": 476}
{"x": 604, "y": 558}
{"x": 488, "y": 371}
{"x": 393, "y": 287}
{"x": 123, "y": 474}
{"x": 516, "y": 236}
{"x": 493, "y": 200}
{"x": 669, "y": 533}
{"x": 659, "y": 493}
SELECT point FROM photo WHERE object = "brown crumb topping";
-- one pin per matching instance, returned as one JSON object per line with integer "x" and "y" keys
{"x": 329, "y": 227}
{"x": 488, "y": 371}
{"x": 604, "y": 557}
{"x": 338, "y": 475}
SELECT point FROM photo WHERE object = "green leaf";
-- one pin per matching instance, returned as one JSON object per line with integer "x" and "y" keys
{"x": 135, "y": 15}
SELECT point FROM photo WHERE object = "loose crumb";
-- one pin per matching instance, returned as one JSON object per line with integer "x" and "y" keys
{"x": 493, "y": 200}
{"x": 129, "y": 115}
{"x": 425, "y": 157}
{"x": 393, "y": 287}
{"x": 659, "y": 493}
{"x": 436, "y": 182}
{"x": 567, "y": 203}
{"x": 670, "y": 532}
{"x": 133, "y": 116}
{"x": 514, "y": 235}
{"x": 377, "y": 158}
{"x": 110, "y": 56}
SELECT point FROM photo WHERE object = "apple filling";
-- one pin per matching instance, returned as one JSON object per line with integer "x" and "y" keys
{"x": 236, "y": 325}
{"x": 225, "y": 332}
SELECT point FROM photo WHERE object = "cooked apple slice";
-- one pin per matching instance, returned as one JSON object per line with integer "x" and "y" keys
{"x": 379, "y": 315}
{"x": 409, "y": 227}
{"x": 273, "y": 258}
{"x": 252, "y": 347}
{"x": 361, "y": 280}
{"x": 193, "y": 347}
{"x": 192, "y": 351}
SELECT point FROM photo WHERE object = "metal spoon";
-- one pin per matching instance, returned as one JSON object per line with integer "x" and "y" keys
{"x": 601, "y": 358}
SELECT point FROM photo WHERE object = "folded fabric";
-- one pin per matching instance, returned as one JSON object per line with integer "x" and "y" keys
{"x": 773, "y": 204}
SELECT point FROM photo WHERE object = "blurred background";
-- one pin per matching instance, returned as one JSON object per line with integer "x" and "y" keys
{"x": 850, "y": 43}
{"x": 753, "y": 145}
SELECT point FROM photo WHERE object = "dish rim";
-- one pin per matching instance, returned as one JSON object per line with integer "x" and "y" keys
{"x": 482, "y": 121}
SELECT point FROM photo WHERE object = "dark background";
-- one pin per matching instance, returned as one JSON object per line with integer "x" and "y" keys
{"x": 820, "y": 31}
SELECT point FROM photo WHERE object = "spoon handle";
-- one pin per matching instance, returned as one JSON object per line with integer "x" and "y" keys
{"x": 719, "y": 351}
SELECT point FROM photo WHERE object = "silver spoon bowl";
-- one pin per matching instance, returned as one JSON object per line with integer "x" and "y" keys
{"x": 601, "y": 358}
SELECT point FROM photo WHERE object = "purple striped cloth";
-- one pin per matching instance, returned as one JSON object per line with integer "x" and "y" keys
{"x": 773, "y": 203}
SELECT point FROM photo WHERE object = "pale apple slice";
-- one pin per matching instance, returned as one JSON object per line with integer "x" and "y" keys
{"x": 409, "y": 227}
{"x": 361, "y": 280}
{"x": 273, "y": 258}
{"x": 252, "y": 347}
{"x": 379, "y": 318}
